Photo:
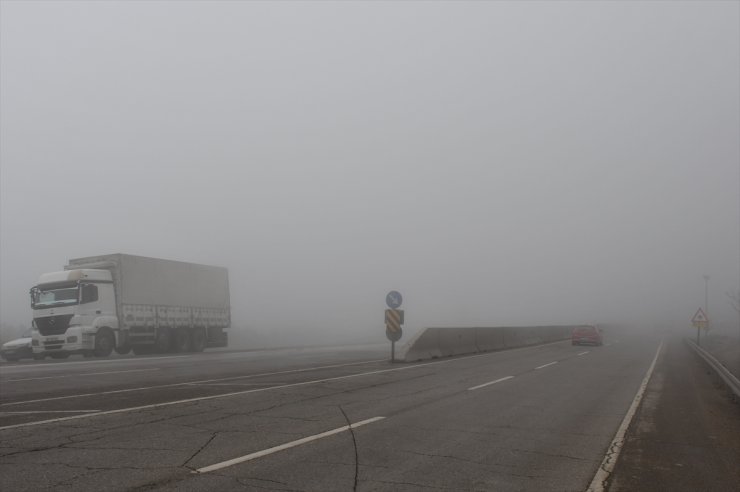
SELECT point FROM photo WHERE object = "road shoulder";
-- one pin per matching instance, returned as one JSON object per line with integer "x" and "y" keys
{"x": 686, "y": 433}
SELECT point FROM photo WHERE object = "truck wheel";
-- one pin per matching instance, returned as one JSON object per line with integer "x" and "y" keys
{"x": 10, "y": 358}
{"x": 163, "y": 341}
{"x": 198, "y": 342}
{"x": 104, "y": 343}
{"x": 59, "y": 355}
{"x": 39, "y": 357}
{"x": 181, "y": 341}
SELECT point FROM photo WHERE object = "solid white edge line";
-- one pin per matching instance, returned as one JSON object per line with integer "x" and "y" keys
{"x": 237, "y": 393}
{"x": 172, "y": 385}
{"x": 227, "y": 395}
{"x": 81, "y": 375}
{"x": 288, "y": 445}
{"x": 490, "y": 383}
{"x": 598, "y": 484}
{"x": 47, "y": 411}
{"x": 584, "y": 353}
{"x": 545, "y": 365}
{"x": 56, "y": 365}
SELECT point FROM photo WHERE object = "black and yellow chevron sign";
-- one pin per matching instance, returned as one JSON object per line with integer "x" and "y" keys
{"x": 393, "y": 322}
{"x": 393, "y": 319}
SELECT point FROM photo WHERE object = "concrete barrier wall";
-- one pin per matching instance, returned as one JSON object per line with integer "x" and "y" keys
{"x": 432, "y": 343}
{"x": 456, "y": 342}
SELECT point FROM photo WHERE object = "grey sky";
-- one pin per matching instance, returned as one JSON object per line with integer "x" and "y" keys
{"x": 498, "y": 163}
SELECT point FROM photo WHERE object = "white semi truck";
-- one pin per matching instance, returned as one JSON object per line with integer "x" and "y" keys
{"x": 122, "y": 302}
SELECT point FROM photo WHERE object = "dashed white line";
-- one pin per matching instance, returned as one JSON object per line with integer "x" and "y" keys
{"x": 584, "y": 353}
{"x": 545, "y": 365}
{"x": 490, "y": 383}
{"x": 80, "y": 375}
{"x": 265, "y": 452}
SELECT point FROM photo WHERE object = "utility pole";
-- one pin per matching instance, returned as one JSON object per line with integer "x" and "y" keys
{"x": 706, "y": 299}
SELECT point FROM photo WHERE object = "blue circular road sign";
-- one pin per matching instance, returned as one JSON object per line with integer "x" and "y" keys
{"x": 394, "y": 299}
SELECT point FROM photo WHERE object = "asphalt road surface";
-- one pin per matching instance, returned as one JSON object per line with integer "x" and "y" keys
{"x": 538, "y": 418}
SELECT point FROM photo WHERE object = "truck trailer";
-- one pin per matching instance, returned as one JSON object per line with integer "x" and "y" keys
{"x": 123, "y": 302}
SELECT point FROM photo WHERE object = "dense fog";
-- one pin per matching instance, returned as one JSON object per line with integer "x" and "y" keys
{"x": 497, "y": 163}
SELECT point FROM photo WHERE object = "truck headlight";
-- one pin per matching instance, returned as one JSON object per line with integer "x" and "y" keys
{"x": 35, "y": 342}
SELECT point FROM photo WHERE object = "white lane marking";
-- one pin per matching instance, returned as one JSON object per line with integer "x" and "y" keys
{"x": 144, "y": 388}
{"x": 233, "y": 384}
{"x": 49, "y": 411}
{"x": 545, "y": 365}
{"x": 227, "y": 395}
{"x": 173, "y": 385}
{"x": 288, "y": 445}
{"x": 289, "y": 371}
{"x": 490, "y": 383}
{"x": 598, "y": 484}
{"x": 237, "y": 393}
{"x": 57, "y": 365}
{"x": 584, "y": 353}
{"x": 79, "y": 375}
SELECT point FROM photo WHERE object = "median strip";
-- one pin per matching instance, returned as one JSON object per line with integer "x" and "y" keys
{"x": 282, "y": 447}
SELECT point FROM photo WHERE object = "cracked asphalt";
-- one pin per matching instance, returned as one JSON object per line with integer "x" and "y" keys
{"x": 152, "y": 423}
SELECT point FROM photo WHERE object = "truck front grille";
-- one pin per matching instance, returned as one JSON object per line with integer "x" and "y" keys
{"x": 53, "y": 325}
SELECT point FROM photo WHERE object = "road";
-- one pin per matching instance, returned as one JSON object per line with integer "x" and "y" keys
{"x": 538, "y": 418}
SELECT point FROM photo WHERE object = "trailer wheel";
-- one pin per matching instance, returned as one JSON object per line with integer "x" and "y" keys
{"x": 104, "y": 343}
{"x": 181, "y": 340}
{"x": 198, "y": 342}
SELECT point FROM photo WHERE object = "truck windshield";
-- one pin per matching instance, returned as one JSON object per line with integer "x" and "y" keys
{"x": 58, "y": 296}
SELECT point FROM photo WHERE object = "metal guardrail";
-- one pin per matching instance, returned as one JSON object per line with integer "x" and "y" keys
{"x": 729, "y": 378}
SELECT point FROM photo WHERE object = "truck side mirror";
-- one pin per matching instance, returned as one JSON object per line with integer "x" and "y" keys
{"x": 34, "y": 292}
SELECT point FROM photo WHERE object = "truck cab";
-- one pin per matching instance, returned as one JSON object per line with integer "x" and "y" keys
{"x": 74, "y": 312}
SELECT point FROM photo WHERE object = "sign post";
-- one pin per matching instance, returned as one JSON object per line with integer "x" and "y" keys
{"x": 699, "y": 321}
{"x": 393, "y": 320}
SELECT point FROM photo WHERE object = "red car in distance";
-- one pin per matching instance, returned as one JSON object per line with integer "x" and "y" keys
{"x": 590, "y": 335}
